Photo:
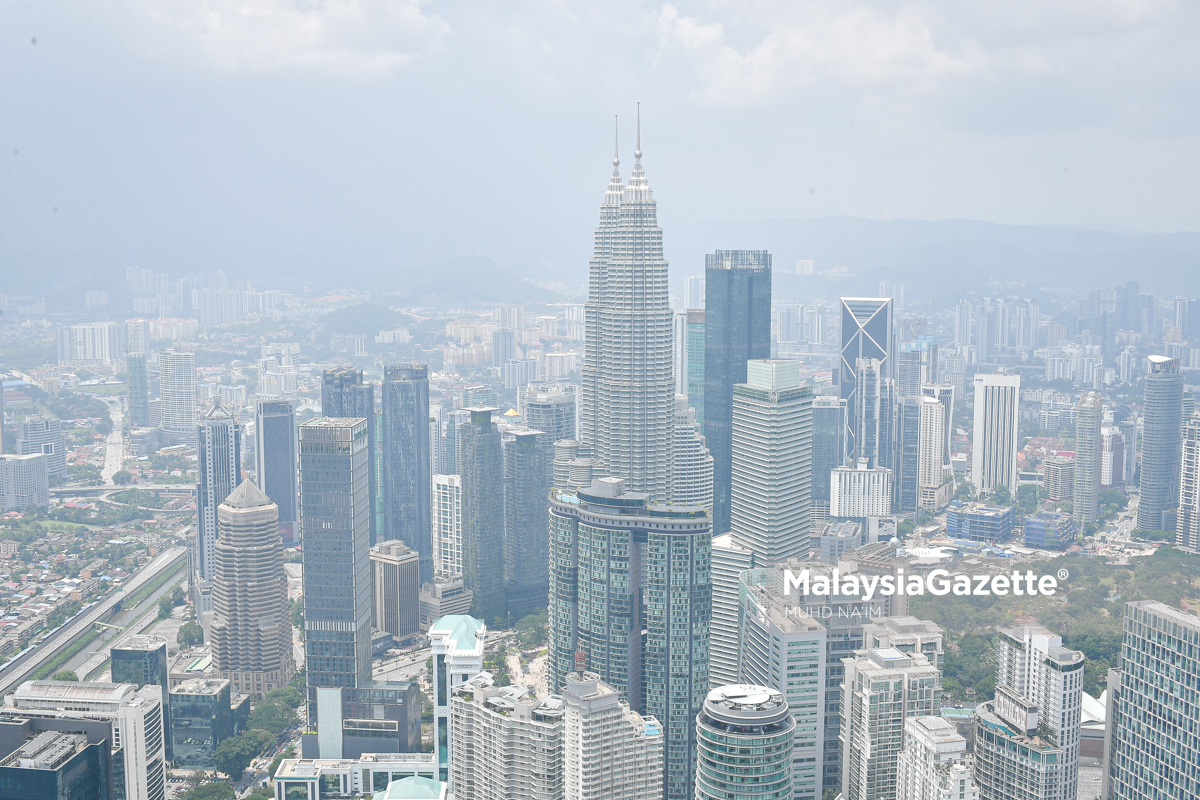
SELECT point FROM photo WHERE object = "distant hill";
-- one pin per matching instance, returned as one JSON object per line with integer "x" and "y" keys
{"x": 465, "y": 281}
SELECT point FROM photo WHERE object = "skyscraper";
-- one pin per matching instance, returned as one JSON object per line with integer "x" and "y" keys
{"x": 944, "y": 393}
{"x": 1027, "y": 739}
{"x": 504, "y": 346}
{"x": 995, "y": 433}
{"x": 872, "y": 410}
{"x": 916, "y": 366}
{"x": 866, "y": 333}
{"x": 628, "y": 385}
{"x": 177, "y": 388}
{"x": 610, "y": 550}
{"x": 729, "y": 560}
{"x": 1150, "y": 750}
{"x": 930, "y": 467}
{"x": 335, "y": 518}
{"x": 142, "y": 660}
{"x": 744, "y": 744}
{"x": 1162, "y": 428}
{"x": 1088, "y": 451}
{"x": 1187, "y": 523}
{"x": 44, "y": 435}
{"x": 406, "y": 469}
{"x": 829, "y": 449}
{"x": 219, "y": 471}
{"x": 551, "y": 412}
{"x": 447, "y": 525}
{"x": 934, "y": 764}
{"x": 527, "y": 459}
{"x": 737, "y": 319}
{"x": 482, "y": 471}
{"x": 139, "y": 391}
{"x": 691, "y": 463}
{"x": 395, "y": 575}
{"x": 344, "y": 395}
{"x": 695, "y": 363}
{"x": 679, "y": 339}
{"x": 905, "y": 485}
{"x": 251, "y": 632}
{"x": 275, "y": 462}
{"x": 772, "y": 462}
{"x": 693, "y": 291}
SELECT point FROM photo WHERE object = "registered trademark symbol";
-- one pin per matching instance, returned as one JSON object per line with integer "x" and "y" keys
{"x": 1063, "y": 574}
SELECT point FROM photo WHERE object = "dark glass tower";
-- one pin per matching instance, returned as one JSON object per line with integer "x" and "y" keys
{"x": 829, "y": 450}
{"x": 335, "y": 521}
{"x": 219, "y": 472}
{"x": 482, "y": 470}
{"x": 344, "y": 394}
{"x": 527, "y": 457}
{"x": 142, "y": 660}
{"x": 866, "y": 334}
{"x": 275, "y": 462}
{"x": 406, "y": 470}
{"x": 1162, "y": 439}
{"x": 737, "y": 320}
{"x": 139, "y": 392}
{"x": 905, "y": 486}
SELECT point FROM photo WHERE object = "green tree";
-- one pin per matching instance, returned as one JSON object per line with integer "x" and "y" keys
{"x": 273, "y": 716}
{"x": 122, "y": 478}
{"x": 1027, "y": 498}
{"x": 164, "y": 607}
{"x": 66, "y": 675}
{"x": 297, "y": 608}
{"x": 218, "y": 790}
{"x": 177, "y": 596}
{"x": 965, "y": 491}
{"x": 190, "y": 634}
{"x": 1001, "y": 496}
{"x": 233, "y": 755}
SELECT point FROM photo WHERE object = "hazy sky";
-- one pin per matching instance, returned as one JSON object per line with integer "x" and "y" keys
{"x": 179, "y": 134}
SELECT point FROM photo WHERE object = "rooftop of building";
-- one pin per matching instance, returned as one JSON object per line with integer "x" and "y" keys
{"x": 247, "y": 495}
{"x": 78, "y": 691}
{"x": 938, "y": 729}
{"x": 144, "y": 641}
{"x": 462, "y": 629}
{"x": 743, "y": 697}
{"x": 412, "y": 788}
{"x": 48, "y": 751}
{"x": 209, "y": 687}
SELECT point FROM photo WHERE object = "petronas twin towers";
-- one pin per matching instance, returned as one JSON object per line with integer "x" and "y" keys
{"x": 628, "y": 409}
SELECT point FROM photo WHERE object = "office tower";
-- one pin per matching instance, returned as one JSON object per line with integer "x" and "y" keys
{"x": 275, "y": 461}
{"x": 779, "y": 648}
{"x": 551, "y": 412}
{"x": 905, "y": 486}
{"x": 455, "y": 420}
{"x": 744, "y": 744}
{"x": 203, "y": 719}
{"x": 335, "y": 518}
{"x": 447, "y": 525}
{"x": 219, "y": 471}
{"x": 860, "y": 491}
{"x": 1150, "y": 749}
{"x": 504, "y": 346}
{"x": 177, "y": 390}
{"x": 139, "y": 391}
{"x": 789, "y": 324}
{"x": 1058, "y": 477}
{"x": 695, "y": 363}
{"x": 837, "y": 538}
{"x": 944, "y": 394}
{"x": 507, "y": 743}
{"x": 24, "y": 482}
{"x": 1162, "y": 428}
{"x": 916, "y": 366}
{"x": 866, "y": 334}
{"x": 128, "y": 721}
{"x": 772, "y": 462}
{"x": 91, "y": 344}
{"x": 829, "y": 449}
{"x": 873, "y": 411}
{"x": 251, "y": 631}
{"x": 693, "y": 291}
{"x": 995, "y": 436}
{"x": 1027, "y": 739}
{"x": 406, "y": 471}
{"x": 600, "y": 572}
{"x": 628, "y": 385}
{"x": 679, "y": 338}
{"x": 729, "y": 560}
{"x": 934, "y": 764}
{"x": 609, "y": 750}
{"x": 1112, "y": 458}
{"x": 737, "y": 319}
{"x": 395, "y": 575}
{"x": 142, "y": 660}
{"x": 482, "y": 471}
{"x": 933, "y": 493}
{"x": 1187, "y": 522}
{"x": 55, "y": 765}
{"x": 479, "y": 396}
{"x": 1088, "y": 452}
{"x": 691, "y": 464}
{"x": 526, "y": 456}
{"x": 456, "y": 645}
{"x": 344, "y": 395}
{"x": 44, "y": 435}
{"x": 882, "y": 688}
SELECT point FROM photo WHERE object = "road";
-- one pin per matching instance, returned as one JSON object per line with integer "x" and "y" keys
{"x": 407, "y": 667}
{"x": 114, "y": 449}
{"x": 24, "y": 664}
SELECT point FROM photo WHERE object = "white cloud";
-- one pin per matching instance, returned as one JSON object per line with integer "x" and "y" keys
{"x": 351, "y": 38}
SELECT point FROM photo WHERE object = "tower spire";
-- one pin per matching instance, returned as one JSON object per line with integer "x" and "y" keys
{"x": 637, "y": 154}
{"x": 616, "y": 143}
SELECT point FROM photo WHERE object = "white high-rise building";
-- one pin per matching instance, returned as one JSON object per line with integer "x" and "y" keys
{"x": 693, "y": 292}
{"x": 177, "y": 385}
{"x": 1027, "y": 738}
{"x": 1089, "y": 446}
{"x": 1187, "y": 524}
{"x": 691, "y": 464}
{"x": 771, "y": 500}
{"x": 932, "y": 494}
{"x": 934, "y": 764}
{"x": 628, "y": 407}
{"x": 447, "y": 525}
{"x": 456, "y": 643}
{"x": 136, "y": 717}
{"x": 507, "y": 743}
{"x": 91, "y": 344}
{"x": 880, "y": 690}
{"x": 24, "y": 482}
{"x": 860, "y": 491}
{"x": 729, "y": 560}
{"x": 609, "y": 751}
{"x": 995, "y": 435}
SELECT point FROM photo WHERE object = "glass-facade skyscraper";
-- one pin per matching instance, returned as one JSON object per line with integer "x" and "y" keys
{"x": 866, "y": 334}
{"x": 275, "y": 462}
{"x": 219, "y": 472}
{"x": 344, "y": 394}
{"x": 407, "y": 474}
{"x": 829, "y": 449}
{"x": 527, "y": 457}
{"x": 481, "y": 468}
{"x": 139, "y": 391}
{"x": 142, "y": 660}
{"x": 737, "y": 328}
{"x": 1162, "y": 432}
{"x": 335, "y": 519}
